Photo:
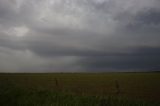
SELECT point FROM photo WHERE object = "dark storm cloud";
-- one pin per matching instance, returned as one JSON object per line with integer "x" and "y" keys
{"x": 150, "y": 17}
{"x": 74, "y": 35}
{"x": 142, "y": 59}
{"x": 122, "y": 63}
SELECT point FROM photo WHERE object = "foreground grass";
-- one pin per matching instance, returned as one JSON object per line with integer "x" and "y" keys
{"x": 135, "y": 89}
{"x": 21, "y": 97}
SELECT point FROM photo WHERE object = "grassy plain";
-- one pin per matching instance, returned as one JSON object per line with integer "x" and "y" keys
{"x": 80, "y": 89}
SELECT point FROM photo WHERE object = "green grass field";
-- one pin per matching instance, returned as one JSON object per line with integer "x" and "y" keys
{"x": 80, "y": 89}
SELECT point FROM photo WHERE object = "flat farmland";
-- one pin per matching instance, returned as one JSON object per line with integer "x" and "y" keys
{"x": 133, "y": 86}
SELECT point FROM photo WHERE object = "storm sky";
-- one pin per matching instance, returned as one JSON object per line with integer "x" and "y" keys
{"x": 79, "y": 35}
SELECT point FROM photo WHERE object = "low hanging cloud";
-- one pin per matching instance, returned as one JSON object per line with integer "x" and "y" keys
{"x": 79, "y": 35}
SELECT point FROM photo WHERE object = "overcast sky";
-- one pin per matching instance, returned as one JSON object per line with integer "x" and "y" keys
{"x": 79, "y": 35}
